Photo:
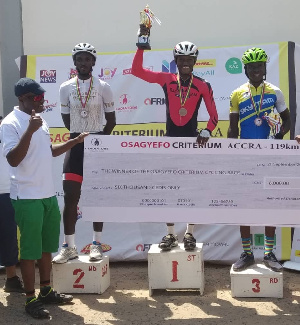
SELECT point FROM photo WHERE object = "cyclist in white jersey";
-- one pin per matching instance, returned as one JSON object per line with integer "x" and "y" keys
{"x": 85, "y": 100}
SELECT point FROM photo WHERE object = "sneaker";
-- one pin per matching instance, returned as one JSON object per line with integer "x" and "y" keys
{"x": 36, "y": 309}
{"x": 272, "y": 263}
{"x": 13, "y": 285}
{"x": 66, "y": 253}
{"x": 52, "y": 297}
{"x": 96, "y": 252}
{"x": 168, "y": 242}
{"x": 189, "y": 242}
{"x": 245, "y": 261}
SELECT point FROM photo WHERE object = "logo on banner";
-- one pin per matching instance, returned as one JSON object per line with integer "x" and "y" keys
{"x": 107, "y": 73}
{"x": 125, "y": 100}
{"x": 72, "y": 73}
{"x": 48, "y": 76}
{"x": 205, "y": 73}
{"x": 143, "y": 247}
{"x": 234, "y": 66}
{"x": 208, "y": 63}
{"x": 168, "y": 66}
{"x": 128, "y": 71}
{"x": 48, "y": 107}
{"x": 155, "y": 101}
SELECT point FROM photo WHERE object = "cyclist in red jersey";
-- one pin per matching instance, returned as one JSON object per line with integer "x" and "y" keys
{"x": 183, "y": 92}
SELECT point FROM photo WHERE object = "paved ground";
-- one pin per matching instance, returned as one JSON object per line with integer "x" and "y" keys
{"x": 127, "y": 302}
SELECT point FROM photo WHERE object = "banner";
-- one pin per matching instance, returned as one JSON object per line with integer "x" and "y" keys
{"x": 140, "y": 111}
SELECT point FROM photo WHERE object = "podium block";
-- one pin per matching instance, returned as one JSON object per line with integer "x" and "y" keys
{"x": 176, "y": 269}
{"x": 256, "y": 281}
{"x": 82, "y": 276}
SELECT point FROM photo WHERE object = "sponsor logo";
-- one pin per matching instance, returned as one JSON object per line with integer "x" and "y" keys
{"x": 168, "y": 66}
{"x": 125, "y": 100}
{"x": 72, "y": 73}
{"x": 128, "y": 71}
{"x": 204, "y": 73}
{"x": 86, "y": 248}
{"x": 48, "y": 107}
{"x": 208, "y": 63}
{"x": 47, "y": 76}
{"x": 234, "y": 66}
{"x": 96, "y": 142}
{"x": 155, "y": 101}
{"x": 107, "y": 73}
{"x": 143, "y": 247}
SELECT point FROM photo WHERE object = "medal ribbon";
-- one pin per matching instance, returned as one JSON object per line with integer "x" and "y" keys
{"x": 261, "y": 99}
{"x": 79, "y": 93}
{"x": 187, "y": 94}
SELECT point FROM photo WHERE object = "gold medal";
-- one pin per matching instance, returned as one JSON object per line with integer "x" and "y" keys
{"x": 258, "y": 121}
{"x": 182, "y": 111}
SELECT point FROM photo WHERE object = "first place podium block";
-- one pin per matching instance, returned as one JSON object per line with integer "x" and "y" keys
{"x": 82, "y": 276}
{"x": 176, "y": 269}
{"x": 256, "y": 281}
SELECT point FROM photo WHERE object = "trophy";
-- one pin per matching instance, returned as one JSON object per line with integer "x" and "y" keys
{"x": 146, "y": 19}
{"x": 274, "y": 122}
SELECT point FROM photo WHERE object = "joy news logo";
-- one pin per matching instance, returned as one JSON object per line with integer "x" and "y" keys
{"x": 168, "y": 66}
{"x": 234, "y": 66}
{"x": 107, "y": 73}
{"x": 47, "y": 76}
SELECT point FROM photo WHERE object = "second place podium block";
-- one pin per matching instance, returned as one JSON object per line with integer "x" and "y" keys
{"x": 176, "y": 269}
{"x": 82, "y": 276}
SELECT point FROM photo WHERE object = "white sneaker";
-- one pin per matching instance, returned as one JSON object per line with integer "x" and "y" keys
{"x": 66, "y": 253}
{"x": 96, "y": 252}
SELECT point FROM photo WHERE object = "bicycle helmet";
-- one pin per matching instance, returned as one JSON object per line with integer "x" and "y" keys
{"x": 84, "y": 47}
{"x": 254, "y": 54}
{"x": 185, "y": 48}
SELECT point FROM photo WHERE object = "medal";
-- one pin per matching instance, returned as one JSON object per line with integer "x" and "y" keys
{"x": 182, "y": 111}
{"x": 83, "y": 113}
{"x": 258, "y": 121}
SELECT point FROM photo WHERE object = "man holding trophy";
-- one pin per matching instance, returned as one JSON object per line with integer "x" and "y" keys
{"x": 184, "y": 92}
{"x": 252, "y": 105}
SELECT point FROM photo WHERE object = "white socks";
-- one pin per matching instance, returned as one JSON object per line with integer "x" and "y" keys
{"x": 70, "y": 240}
{"x": 97, "y": 236}
{"x": 189, "y": 228}
{"x": 171, "y": 230}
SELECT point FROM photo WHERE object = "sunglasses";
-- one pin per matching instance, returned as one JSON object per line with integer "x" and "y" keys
{"x": 36, "y": 98}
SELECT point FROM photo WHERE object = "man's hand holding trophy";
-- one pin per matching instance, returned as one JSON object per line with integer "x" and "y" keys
{"x": 146, "y": 19}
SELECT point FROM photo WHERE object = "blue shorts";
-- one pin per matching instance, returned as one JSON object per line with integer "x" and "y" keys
{"x": 8, "y": 232}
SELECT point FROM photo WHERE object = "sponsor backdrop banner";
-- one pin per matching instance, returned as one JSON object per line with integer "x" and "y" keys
{"x": 140, "y": 110}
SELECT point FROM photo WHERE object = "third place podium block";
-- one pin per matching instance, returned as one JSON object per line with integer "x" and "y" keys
{"x": 256, "y": 281}
{"x": 176, "y": 269}
{"x": 82, "y": 276}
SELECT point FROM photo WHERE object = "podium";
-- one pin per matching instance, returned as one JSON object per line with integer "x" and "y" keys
{"x": 176, "y": 269}
{"x": 256, "y": 281}
{"x": 82, "y": 276}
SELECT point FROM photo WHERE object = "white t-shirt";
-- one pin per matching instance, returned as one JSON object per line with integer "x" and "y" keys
{"x": 88, "y": 118}
{"x": 32, "y": 178}
{"x": 4, "y": 173}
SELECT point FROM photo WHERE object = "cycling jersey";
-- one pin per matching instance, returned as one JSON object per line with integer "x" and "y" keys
{"x": 176, "y": 125}
{"x": 90, "y": 117}
{"x": 241, "y": 103}
{"x": 97, "y": 100}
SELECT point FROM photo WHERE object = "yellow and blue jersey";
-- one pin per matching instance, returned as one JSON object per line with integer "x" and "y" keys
{"x": 241, "y": 103}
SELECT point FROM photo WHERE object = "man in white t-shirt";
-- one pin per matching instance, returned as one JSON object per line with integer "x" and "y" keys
{"x": 85, "y": 102}
{"x": 8, "y": 230}
{"x": 28, "y": 149}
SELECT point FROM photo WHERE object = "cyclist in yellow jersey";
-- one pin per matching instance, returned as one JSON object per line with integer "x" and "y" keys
{"x": 249, "y": 106}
